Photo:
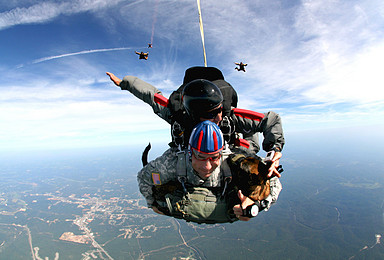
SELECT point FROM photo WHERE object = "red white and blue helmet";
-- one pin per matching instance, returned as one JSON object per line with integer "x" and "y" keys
{"x": 206, "y": 138}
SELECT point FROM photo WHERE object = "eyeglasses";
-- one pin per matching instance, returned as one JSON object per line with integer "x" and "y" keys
{"x": 211, "y": 114}
{"x": 200, "y": 156}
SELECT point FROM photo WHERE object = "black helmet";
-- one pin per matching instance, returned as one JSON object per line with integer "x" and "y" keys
{"x": 200, "y": 96}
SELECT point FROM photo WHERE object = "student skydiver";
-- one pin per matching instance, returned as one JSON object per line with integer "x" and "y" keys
{"x": 188, "y": 190}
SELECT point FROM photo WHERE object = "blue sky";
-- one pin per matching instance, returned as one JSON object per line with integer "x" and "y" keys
{"x": 316, "y": 63}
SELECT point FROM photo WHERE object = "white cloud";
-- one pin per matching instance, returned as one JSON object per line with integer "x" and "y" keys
{"x": 34, "y": 14}
{"x": 357, "y": 78}
{"x": 316, "y": 51}
{"x": 32, "y": 115}
{"x": 46, "y": 11}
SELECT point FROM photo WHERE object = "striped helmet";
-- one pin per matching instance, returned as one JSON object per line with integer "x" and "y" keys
{"x": 206, "y": 138}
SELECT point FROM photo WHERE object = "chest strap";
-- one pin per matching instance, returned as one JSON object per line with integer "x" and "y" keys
{"x": 178, "y": 134}
{"x": 181, "y": 168}
{"x": 236, "y": 157}
{"x": 227, "y": 174}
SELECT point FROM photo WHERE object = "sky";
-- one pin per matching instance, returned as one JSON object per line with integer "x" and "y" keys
{"x": 318, "y": 63}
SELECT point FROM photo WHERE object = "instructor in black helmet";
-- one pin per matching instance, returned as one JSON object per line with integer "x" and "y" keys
{"x": 203, "y": 100}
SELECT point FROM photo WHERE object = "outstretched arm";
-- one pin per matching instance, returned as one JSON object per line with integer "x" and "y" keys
{"x": 146, "y": 92}
{"x": 114, "y": 79}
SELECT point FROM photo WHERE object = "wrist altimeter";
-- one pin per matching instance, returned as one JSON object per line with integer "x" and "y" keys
{"x": 253, "y": 210}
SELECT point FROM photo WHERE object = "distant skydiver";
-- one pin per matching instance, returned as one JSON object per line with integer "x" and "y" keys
{"x": 241, "y": 66}
{"x": 142, "y": 55}
{"x": 149, "y": 45}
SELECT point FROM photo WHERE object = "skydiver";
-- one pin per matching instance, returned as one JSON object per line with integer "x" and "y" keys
{"x": 241, "y": 66}
{"x": 207, "y": 152}
{"x": 203, "y": 100}
{"x": 149, "y": 45}
{"x": 142, "y": 55}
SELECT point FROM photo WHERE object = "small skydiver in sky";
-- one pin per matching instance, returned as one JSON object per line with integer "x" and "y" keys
{"x": 241, "y": 66}
{"x": 142, "y": 55}
{"x": 149, "y": 45}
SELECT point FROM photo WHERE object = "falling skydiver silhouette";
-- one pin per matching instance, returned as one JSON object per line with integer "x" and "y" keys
{"x": 241, "y": 66}
{"x": 142, "y": 55}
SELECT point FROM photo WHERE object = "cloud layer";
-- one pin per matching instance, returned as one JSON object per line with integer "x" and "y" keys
{"x": 317, "y": 63}
{"x": 46, "y": 11}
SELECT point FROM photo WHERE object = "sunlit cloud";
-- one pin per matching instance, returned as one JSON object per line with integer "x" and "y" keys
{"x": 46, "y": 11}
{"x": 327, "y": 51}
{"x": 352, "y": 80}
{"x": 48, "y": 116}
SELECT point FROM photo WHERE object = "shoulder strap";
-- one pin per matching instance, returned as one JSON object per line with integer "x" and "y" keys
{"x": 245, "y": 113}
{"x": 227, "y": 174}
{"x": 181, "y": 168}
{"x": 236, "y": 157}
{"x": 178, "y": 134}
{"x": 226, "y": 170}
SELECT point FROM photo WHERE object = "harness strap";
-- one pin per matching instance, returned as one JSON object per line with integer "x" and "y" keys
{"x": 169, "y": 204}
{"x": 226, "y": 170}
{"x": 226, "y": 128}
{"x": 242, "y": 142}
{"x": 237, "y": 157}
{"x": 178, "y": 134}
{"x": 160, "y": 99}
{"x": 249, "y": 114}
{"x": 181, "y": 168}
{"x": 202, "y": 197}
{"x": 227, "y": 175}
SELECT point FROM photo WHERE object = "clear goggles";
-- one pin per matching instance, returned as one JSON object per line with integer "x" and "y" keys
{"x": 205, "y": 157}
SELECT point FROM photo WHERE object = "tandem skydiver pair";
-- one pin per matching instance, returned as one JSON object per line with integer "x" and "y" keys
{"x": 198, "y": 100}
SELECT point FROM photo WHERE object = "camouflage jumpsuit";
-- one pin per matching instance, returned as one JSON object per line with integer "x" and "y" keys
{"x": 165, "y": 167}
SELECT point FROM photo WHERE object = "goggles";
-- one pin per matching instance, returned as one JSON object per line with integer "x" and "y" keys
{"x": 211, "y": 114}
{"x": 202, "y": 156}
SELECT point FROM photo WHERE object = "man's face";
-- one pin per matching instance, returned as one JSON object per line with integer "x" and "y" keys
{"x": 205, "y": 164}
{"x": 215, "y": 115}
